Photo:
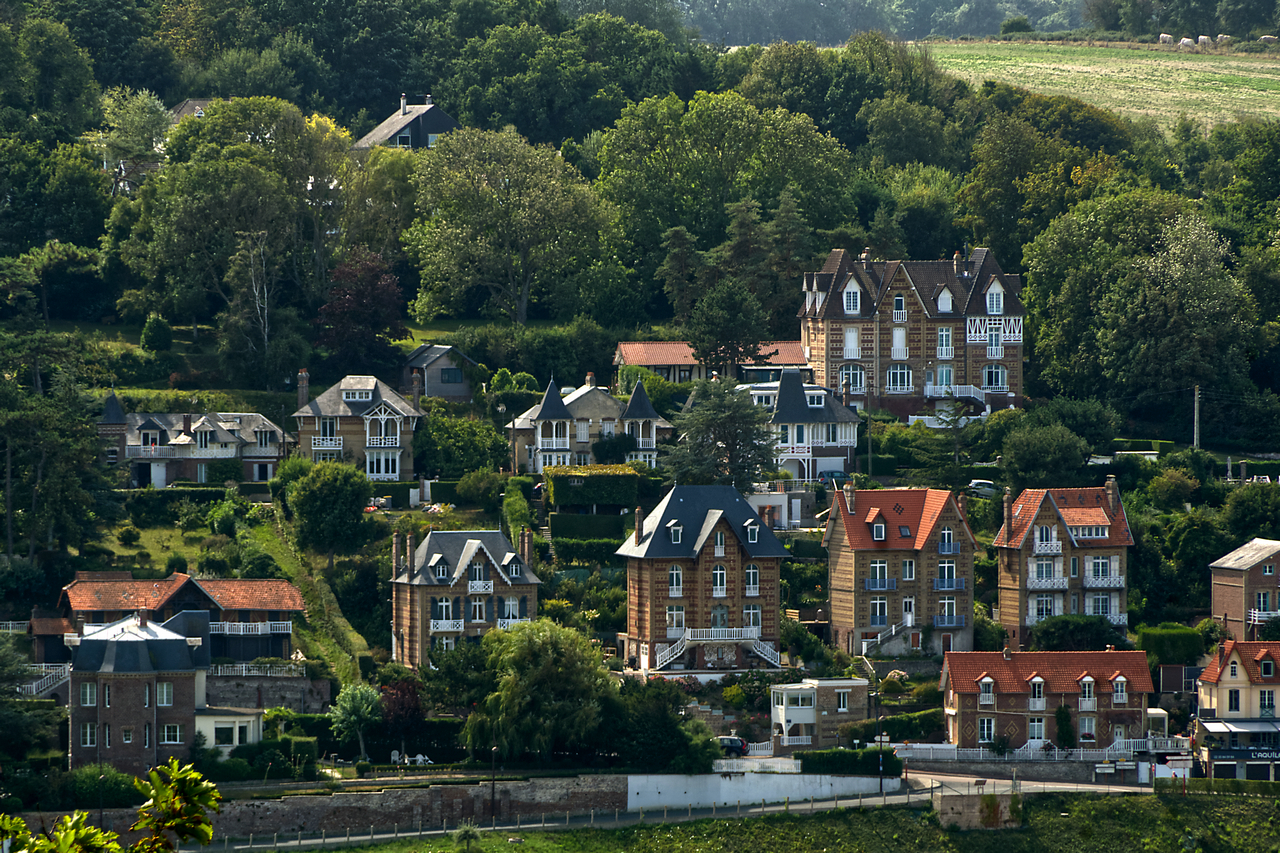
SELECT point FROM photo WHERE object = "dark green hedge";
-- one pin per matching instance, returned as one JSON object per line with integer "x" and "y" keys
{"x": 587, "y": 550}
{"x": 397, "y": 492}
{"x": 851, "y": 762}
{"x": 444, "y": 492}
{"x": 1256, "y": 467}
{"x": 608, "y": 485}
{"x": 899, "y": 727}
{"x": 575, "y": 526}
{"x": 1141, "y": 445}
{"x": 154, "y": 507}
{"x": 516, "y": 512}
{"x": 1172, "y": 644}
{"x": 808, "y": 549}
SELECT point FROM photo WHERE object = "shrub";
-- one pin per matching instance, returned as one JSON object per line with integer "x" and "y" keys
{"x": 175, "y": 563}
{"x": 1172, "y": 643}
{"x": 483, "y": 488}
{"x": 587, "y": 550}
{"x": 734, "y": 696}
{"x": 1018, "y": 24}
{"x": 899, "y": 727}
{"x": 157, "y": 335}
{"x": 86, "y": 787}
{"x": 231, "y": 770}
{"x": 928, "y": 693}
{"x": 142, "y": 558}
{"x": 226, "y": 470}
{"x": 851, "y": 762}
{"x": 363, "y": 768}
{"x": 129, "y": 536}
{"x": 892, "y": 687}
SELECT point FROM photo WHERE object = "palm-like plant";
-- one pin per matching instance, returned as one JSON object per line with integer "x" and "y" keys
{"x": 465, "y": 834}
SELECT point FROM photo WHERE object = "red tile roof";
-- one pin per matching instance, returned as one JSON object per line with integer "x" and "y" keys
{"x": 253, "y": 594}
{"x": 1061, "y": 671}
{"x": 44, "y": 626}
{"x": 1075, "y": 508}
{"x": 680, "y": 353}
{"x": 916, "y": 509}
{"x": 1250, "y": 654}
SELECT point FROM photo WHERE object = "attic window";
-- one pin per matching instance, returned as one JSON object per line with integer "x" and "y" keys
{"x": 815, "y": 401}
{"x": 851, "y": 300}
{"x": 357, "y": 395}
{"x": 676, "y": 530}
{"x": 514, "y": 570}
{"x": 904, "y": 531}
{"x": 442, "y": 571}
{"x": 1268, "y": 669}
{"x": 944, "y": 302}
{"x": 995, "y": 300}
{"x": 404, "y": 140}
{"x": 753, "y": 533}
{"x": 877, "y": 531}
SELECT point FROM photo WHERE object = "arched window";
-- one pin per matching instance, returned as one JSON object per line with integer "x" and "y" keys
{"x": 854, "y": 377}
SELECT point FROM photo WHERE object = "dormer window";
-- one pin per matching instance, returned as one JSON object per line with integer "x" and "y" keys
{"x": 995, "y": 300}
{"x": 357, "y": 396}
{"x": 442, "y": 572}
{"x": 815, "y": 401}
{"x": 676, "y": 531}
{"x": 877, "y": 531}
{"x": 202, "y": 439}
{"x": 1268, "y": 669}
{"x": 1235, "y": 670}
{"x": 753, "y": 533}
{"x": 851, "y": 300}
{"x": 514, "y": 570}
{"x": 945, "y": 305}
{"x": 1120, "y": 688}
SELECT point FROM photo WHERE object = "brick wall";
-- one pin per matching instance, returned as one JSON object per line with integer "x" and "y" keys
{"x": 298, "y": 694}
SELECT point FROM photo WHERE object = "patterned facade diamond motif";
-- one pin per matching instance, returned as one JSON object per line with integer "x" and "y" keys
{"x": 897, "y": 508}
{"x": 1011, "y": 730}
{"x": 969, "y": 729}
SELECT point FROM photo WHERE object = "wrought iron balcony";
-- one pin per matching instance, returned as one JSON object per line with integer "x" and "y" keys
{"x": 948, "y": 584}
{"x": 1053, "y": 546}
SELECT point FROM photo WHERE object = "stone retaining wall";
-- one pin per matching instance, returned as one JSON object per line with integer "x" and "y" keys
{"x": 245, "y": 691}
{"x": 1031, "y": 771}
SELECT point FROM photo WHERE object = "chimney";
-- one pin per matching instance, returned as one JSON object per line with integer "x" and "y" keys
{"x": 1008, "y": 514}
{"x": 1007, "y": 656}
{"x": 866, "y": 258}
{"x": 304, "y": 388}
{"x": 591, "y": 380}
{"x": 957, "y": 263}
{"x": 525, "y": 546}
{"x": 847, "y": 396}
{"x": 404, "y": 105}
{"x": 186, "y": 424}
{"x": 142, "y": 618}
{"x": 1113, "y": 493}
{"x": 962, "y": 504}
{"x": 848, "y": 495}
{"x": 410, "y": 551}
{"x": 639, "y": 523}
{"x": 395, "y": 555}
{"x": 80, "y": 625}
{"x": 1111, "y": 648}
{"x": 427, "y": 100}
{"x": 417, "y": 387}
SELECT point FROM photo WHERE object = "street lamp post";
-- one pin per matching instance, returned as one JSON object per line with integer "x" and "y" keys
{"x": 502, "y": 411}
{"x": 493, "y": 785}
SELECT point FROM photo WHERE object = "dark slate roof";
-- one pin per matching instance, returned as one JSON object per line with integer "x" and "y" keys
{"x": 331, "y": 403}
{"x": 432, "y": 117}
{"x": 552, "y": 408}
{"x": 424, "y": 355}
{"x": 792, "y": 403}
{"x": 229, "y": 428}
{"x": 638, "y": 407}
{"x": 698, "y": 509}
{"x": 456, "y": 548}
{"x": 129, "y": 646}
{"x": 112, "y": 411}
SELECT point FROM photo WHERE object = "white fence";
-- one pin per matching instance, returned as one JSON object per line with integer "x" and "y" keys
{"x": 287, "y": 670}
{"x": 13, "y": 627}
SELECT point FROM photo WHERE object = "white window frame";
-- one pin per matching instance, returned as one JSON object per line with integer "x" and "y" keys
{"x": 88, "y": 694}
{"x": 986, "y": 729}
{"x": 842, "y": 701}
{"x": 878, "y": 531}
{"x": 751, "y": 616}
{"x": 908, "y": 570}
{"x": 995, "y": 301}
{"x": 675, "y": 580}
{"x": 164, "y": 694}
{"x": 171, "y": 733}
{"x": 1035, "y": 728}
{"x": 675, "y": 615}
{"x": 477, "y": 607}
{"x": 88, "y": 735}
{"x": 851, "y": 300}
{"x": 1089, "y": 728}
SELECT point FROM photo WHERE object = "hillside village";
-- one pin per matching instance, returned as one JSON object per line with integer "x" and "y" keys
{"x": 356, "y": 434}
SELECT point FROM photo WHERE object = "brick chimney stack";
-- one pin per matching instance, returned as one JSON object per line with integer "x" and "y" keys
{"x": 395, "y": 555}
{"x": 304, "y": 388}
{"x": 957, "y": 263}
{"x": 417, "y": 387}
{"x": 142, "y": 618}
{"x": 1113, "y": 493}
{"x": 186, "y": 424}
{"x": 591, "y": 380}
{"x": 639, "y": 524}
{"x": 848, "y": 495}
{"x": 1008, "y": 513}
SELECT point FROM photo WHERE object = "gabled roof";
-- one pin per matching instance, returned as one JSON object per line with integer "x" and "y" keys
{"x": 638, "y": 407}
{"x": 585, "y": 402}
{"x": 1062, "y": 672}
{"x": 1248, "y": 555}
{"x": 791, "y": 405}
{"x": 232, "y": 428}
{"x": 425, "y": 355}
{"x": 918, "y": 510}
{"x": 456, "y": 549}
{"x": 128, "y": 646}
{"x": 113, "y": 592}
{"x": 253, "y": 594}
{"x": 1249, "y": 655}
{"x": 331, "y": 403}
{"x": 697, "y": 509}
{"x": 680, "y": 353}
{"x": 430, "y": 114}
{"x": 1074, "y": 508}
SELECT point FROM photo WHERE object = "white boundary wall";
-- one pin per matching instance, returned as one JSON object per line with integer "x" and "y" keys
{"x": 656, "y": 791}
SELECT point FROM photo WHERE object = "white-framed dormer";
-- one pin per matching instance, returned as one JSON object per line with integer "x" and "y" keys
{"x": 675, "y": 531}
{"x": 946, "y": 304}
{"x": 995, "y": 299}
{"x": 753, "y": 531}
{"x": 852, "y": 299}
{"x": 986, "y": 690}
{"x": 357, "y": 395}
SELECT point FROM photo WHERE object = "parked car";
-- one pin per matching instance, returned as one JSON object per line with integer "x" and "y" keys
{"x": 832, "y": 479}
{"x": 733, "y": 747}
{"x": 982, "y": 488}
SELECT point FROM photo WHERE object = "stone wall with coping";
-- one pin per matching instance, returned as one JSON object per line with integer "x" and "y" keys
{"x": 1037, "y": 771}
{"x": 300, "y": 694}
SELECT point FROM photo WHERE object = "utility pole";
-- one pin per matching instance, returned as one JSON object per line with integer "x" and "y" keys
{"x": 1195, "y": 442}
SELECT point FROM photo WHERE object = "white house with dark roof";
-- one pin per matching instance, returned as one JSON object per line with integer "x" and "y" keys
{"x": 456, "y": 585}
{"x": 702, "y": 584}
{"x": 412, "y": 126}
{"x": 560, "y": 429}
{"x": 361, "y": 420}
{"x": 816, "y": 430}
{"x": 905, "y": 335}
{"x": 161, "y": 448}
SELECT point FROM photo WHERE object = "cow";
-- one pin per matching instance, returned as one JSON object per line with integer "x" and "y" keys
{"x": 1166, "y": 38}
{"x": 1188, "y": 43}
{"x": 1268, "y": 39}
{"x": 1223, "y": 39}
{"x": 1204, "y": 41}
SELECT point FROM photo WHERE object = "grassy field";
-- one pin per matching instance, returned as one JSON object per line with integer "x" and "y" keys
{"x": 1135, "y": 80}
{"x": 1054, "y": 824}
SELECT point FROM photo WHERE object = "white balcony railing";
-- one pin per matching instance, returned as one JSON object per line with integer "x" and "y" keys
{"x": 553, "y": 443}
{"x": 901, "y": 389}
{"x": 645, "y": 443}
{"x": 1104, "y": 582}
{"x": 439, "y": 626}
{"x": 972, "y": 392}
{"x": 995, "y": 352}
{"x": 766, "y": 651}
{"x": 250, "y": 627}
{"x": 675, "y": 592}
{"x": 52, "y": 677}
{"x": 798, "y": 740}
{"x": 898, "y": 353}
{"x": 1054, "y": 546}
{"x": 1036, "y": 704}
{"x": 480, "y": 586}
{"x": 995, "y": 388}
{"x": 252, "y": 670}
{"x": 719, "y": 550}
{"x": 900, "y": 316}
{"x": 675, "y": 633}
{"x": 332, "y": 442}
{"x": 710, "y": 635}
{"x": 1046, "y": 583}
{"x": 1088, "y": 704}
{"x": 719, "y": 592}
{"x": 946, "y": 352}
{"x": 986, "y": 698}
{"x": 382, "y": 441}
{"x": 149, "y": 451}
{"x": 505, "y": 624}
{"x": 852, "y": 352}
{"x": 1118, "y": 618}
{"x": 667, "y": 655}
{"x": 13, "y": 627}
{"x": 751, "y": 591}
{"x": 1261, "y": 617}
{"x": 1118, "y": 699}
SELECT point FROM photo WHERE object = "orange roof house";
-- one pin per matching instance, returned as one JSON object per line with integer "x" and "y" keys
{"x": 675, "y": 362}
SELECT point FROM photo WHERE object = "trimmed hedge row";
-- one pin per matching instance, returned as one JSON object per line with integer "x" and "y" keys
{"x": 1141, "y": 445}
{"x": 585, "y": 485}
{"x": 444, "y": 492}
{"x": 578, "y": 526}
{"x": 587, "y": 550}
{"x": 1172, "y": 644}
{"x": 398, "y": 492}
{"x": 1219, "y": 786}
{"x": 154, "y": 507}
{"x": 851, "y": 762}
{"x": 899, "y": 727}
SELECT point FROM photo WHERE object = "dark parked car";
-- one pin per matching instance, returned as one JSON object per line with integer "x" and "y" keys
{"x": 832, "y": 479}
{"x": 733, "y": 747}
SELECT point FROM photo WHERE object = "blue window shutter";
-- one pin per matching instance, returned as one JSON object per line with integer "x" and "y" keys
{"x": 488, "y": 609}
{"x": 435, "y": 612}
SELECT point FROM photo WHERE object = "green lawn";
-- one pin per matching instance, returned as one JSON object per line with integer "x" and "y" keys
{"x": 1135, "y": 80}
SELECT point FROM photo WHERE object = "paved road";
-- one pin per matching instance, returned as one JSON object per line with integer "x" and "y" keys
{"x": 919, "y": 789}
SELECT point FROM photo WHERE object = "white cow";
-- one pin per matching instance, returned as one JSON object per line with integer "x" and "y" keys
{"x": 1166, "y": 38}
{"x": 1268, "y": 39}
{"x": 1205, "y": 41}
{"x": 1188, "y": 43}
{"x": 1224, "y": 39}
